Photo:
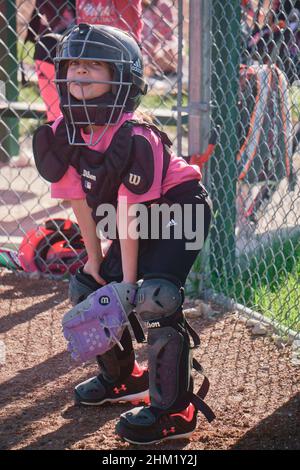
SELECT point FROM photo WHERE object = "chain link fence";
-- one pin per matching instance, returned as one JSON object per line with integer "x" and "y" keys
{"x": 254, "y": 173}
{"x": 29, "y": 30}
{"x": 229, "y": 67}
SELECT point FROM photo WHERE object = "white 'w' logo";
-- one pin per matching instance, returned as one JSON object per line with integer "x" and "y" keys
{"x": 134, "y": 179}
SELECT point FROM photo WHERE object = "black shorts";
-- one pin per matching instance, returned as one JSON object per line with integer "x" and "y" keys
{"x": 167, "y": 256}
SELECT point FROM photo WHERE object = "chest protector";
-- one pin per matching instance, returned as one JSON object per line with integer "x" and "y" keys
{"x": 129, "y": 160}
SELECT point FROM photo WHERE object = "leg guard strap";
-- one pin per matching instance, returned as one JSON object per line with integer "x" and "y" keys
{"x": 203, "y": 407}
{"x": 198, "y": 398}
{"x": 136, "y": 328}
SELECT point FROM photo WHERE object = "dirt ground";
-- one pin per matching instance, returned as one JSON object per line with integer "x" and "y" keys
{"x": 254, "y": 386}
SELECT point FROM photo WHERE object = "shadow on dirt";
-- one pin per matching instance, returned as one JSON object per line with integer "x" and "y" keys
{"x": 10, "y": 321}
{"x": 281, "y": 430}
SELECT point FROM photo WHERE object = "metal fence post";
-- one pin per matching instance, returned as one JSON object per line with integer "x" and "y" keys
{"x": 225, "y": 78}
{"x": 200, "y": 93}
{"x": 179, "y": 76}
{"x": 9, "y": 129}
{"x": 199, "y": 75}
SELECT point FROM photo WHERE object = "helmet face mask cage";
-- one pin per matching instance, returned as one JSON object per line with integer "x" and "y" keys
{"x": 120, "y": 51}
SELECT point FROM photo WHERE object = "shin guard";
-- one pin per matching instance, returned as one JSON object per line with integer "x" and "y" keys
{"x": 170, "y": 354}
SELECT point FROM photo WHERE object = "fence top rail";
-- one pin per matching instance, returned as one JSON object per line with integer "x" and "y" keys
{"x": 38, "y": 111}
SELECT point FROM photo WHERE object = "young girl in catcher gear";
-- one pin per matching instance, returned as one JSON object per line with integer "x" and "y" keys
{"x": 100, "y": 154}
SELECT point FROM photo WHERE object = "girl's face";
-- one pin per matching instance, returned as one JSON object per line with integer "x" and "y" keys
{"x": 85, "y": 71}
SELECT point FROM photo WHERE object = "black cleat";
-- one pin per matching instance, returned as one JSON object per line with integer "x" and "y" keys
{"x": 141, "y": 426}
{"x": 97, "y": 391}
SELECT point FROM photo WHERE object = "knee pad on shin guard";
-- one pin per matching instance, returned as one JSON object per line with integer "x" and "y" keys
{"x": 159, "y": 304}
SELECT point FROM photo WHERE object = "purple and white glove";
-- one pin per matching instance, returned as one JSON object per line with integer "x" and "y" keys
{"x": 95, "y": 325}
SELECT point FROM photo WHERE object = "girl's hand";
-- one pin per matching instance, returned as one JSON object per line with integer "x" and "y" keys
{"x": 92, "y": 267}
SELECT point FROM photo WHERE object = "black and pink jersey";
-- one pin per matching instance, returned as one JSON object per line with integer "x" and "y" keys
{"x": 179, "y": 171}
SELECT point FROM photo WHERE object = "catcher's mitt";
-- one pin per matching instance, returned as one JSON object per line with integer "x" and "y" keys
{"x": 95, "y": 325}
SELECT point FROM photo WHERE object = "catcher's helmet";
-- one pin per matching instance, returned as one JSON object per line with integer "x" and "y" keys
{"x": 56, "y": 247}
{"x": 122, "y": 53}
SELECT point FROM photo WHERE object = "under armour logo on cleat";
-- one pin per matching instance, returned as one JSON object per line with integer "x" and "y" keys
{"x": 169, "y": 431}
{"x": 118, "y": 390}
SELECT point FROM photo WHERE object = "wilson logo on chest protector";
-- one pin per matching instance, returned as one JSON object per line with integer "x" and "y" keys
{"x": 89, "y": 175}
{"x": 134, "y": 179}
